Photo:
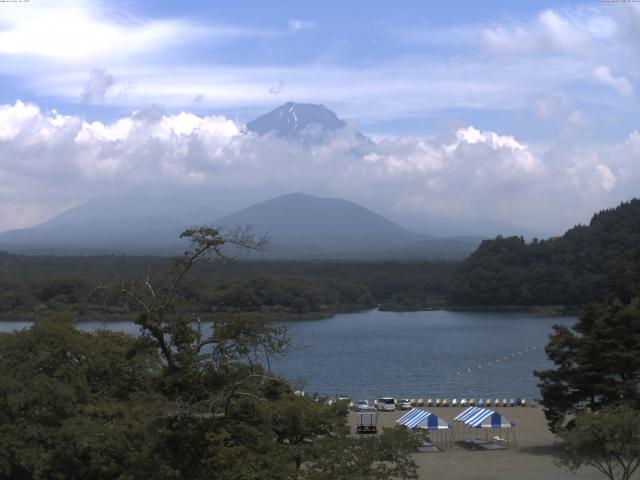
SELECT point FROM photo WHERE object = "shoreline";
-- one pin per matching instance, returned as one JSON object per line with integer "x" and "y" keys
{"x": 541, "y": 310}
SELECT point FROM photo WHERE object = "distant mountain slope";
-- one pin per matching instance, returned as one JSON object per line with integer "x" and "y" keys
{"x": 299, "y": 226}
{"x": 297, "y": 222}
{"x": 119, "y": 223}
{"x": 146, "y": 207}
{"x": 573, "y": 269}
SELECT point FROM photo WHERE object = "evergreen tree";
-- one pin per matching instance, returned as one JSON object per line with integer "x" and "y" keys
{"x": 597, "y": 362}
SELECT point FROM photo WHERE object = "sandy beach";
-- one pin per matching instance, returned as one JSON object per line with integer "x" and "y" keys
{"x": 530, "y": 459}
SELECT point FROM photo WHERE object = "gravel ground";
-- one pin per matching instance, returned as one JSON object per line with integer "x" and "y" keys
{"x": 530, "y": 459}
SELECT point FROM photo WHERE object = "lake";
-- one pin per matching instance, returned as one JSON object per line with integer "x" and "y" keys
{"x": 433, "y": 354}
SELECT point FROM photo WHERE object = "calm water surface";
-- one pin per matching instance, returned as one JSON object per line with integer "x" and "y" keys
{"x": 417, "y": 354}
{"x": 421, "y": 354}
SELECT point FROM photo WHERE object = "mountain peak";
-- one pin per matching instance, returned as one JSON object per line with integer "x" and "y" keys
{"x": 297, "y": 120}
{"x": 329, "y": 225}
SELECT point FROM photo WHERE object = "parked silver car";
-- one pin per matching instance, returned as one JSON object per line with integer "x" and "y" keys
{"x": 363, "y": 406}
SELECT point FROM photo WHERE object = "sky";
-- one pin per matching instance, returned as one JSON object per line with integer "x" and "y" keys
{"x": 519, "y": 112}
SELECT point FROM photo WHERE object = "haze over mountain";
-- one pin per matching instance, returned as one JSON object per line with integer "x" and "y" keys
{"x": 312, "y": 124}
{"x": 298, "y": 226}
{"x": 296, "y": 147}
{"x": 443, "y": 226}
{"x": 124, "y": 223}
{"x": 533, "y": 124}
{"x": 148, "y": 208}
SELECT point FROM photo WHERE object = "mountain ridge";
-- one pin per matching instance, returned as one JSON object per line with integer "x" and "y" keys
{"x": 299, "y": 226}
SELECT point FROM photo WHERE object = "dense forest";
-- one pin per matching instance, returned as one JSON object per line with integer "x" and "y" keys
{"x": 579, "y": 267}
{"x": 569, "y": 270}
{"x": 31, "y": 285}
{"x": 174, "y": 402}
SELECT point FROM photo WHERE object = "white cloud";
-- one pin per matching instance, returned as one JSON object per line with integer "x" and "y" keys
{"x": 80, "y": 30}
{"x": 558, "y": 50}
{"x": 403, "y": 88}
{"x": 295, "y": 25}
{"x": 577, "y": 31}
{"x": 607, "y": 178}
{"x": 49, "y": 161}
{"x": 572, "y": 32}
{"x": 144, "y": 55}
{"x": 621, "y": 83}
{"x": 88, "y": 32}
{"x": 589, "y": 176}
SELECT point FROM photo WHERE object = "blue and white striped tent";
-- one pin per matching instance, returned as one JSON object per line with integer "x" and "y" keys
{"x": 416, "y": 418}
{"x": 476, "y": 417}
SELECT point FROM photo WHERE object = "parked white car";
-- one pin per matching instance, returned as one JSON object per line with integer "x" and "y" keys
{"x": 386, "y": 404}
{"x": 404, "y": 404}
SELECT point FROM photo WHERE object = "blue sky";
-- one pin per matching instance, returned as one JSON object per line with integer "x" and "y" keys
{"x": 371, "y": 62}
{"x": 550, "y": 87}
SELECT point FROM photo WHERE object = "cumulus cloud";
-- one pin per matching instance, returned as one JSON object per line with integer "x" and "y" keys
{"x": 621, "y": 83}
{"x": 49, "y": 160}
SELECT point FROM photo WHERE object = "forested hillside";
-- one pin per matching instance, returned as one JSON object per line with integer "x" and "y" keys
{"x": 569, "y": 270}
{"x": 30, "y": 285}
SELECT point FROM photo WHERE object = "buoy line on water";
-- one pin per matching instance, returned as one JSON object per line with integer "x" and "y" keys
{"x": 499, "y": 361}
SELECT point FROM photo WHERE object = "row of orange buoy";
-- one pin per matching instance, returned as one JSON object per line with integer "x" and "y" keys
{"x": 498, "y": 361}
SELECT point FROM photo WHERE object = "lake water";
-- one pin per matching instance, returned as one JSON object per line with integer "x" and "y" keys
{"x": 434, "y": 354}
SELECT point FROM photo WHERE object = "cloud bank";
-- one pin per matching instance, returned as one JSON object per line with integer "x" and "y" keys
{"x": 49, "y": 161}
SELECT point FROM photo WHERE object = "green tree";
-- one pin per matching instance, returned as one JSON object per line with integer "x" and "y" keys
{"x": 186, "y": 399}
{"x": 579, "y": 267}
{"x": 247, "y": 422}
{"x": 76, "y": 405}
{"x": 608, "y": 440}
{"x": 381, "y": 457}
{"x": 597, "y": 362}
